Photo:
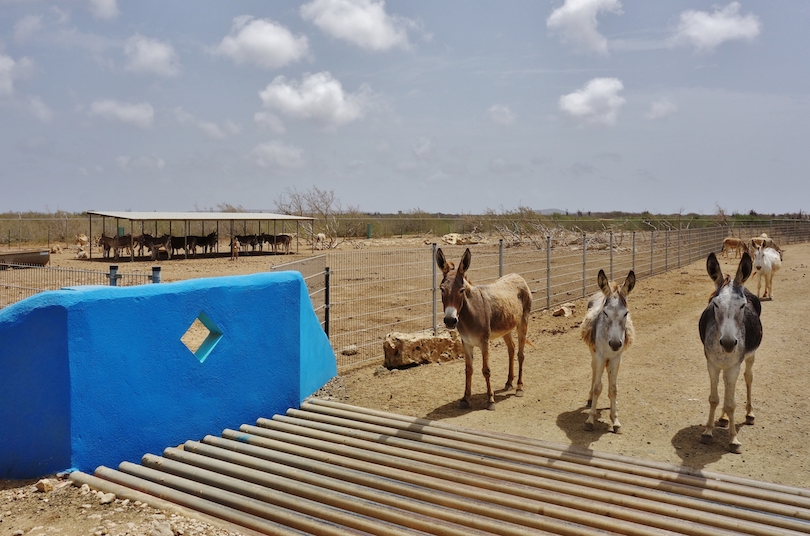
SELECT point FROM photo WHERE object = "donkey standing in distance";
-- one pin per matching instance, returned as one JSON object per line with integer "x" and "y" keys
{"x": 731, "y": 331}
{"x": 485, "y": 312}
{"x": 767, "y": 261}
{"x": 608, "y": 330}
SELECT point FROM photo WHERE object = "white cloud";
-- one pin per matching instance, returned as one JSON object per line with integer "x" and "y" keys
{"x": 423, "y": 149}
{"x": 660, "y": 109}
{"x": 502, "y": 167}
{"x": 597, "y": 102}
{"x": 576, "y": 23}
{"x": 212, "y": 130}
{"x": 271, "y": 121}
{"x": 40, "y": 110}
{"x": 147, "y": 55}
{"x": 275, "y": 154}
{"x": 318, "y": 98}
{"x": 501, "y": 114}
{"x": 361, "y": 22}
{"x": 139, "y": 115}
{"x": 705, "y": 31}
{"x": 140, "y": 164}
{"x": 12, "y": 70}
{"x": 27, "y": 27}
{"x": 103, "y": 9}
{"x": 262, "y": 42}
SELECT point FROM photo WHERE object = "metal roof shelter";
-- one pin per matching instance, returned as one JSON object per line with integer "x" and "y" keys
{"x": 187, "y": 217}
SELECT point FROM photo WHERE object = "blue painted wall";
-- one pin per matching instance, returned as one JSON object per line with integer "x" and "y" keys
{"x": 98, "y": 375}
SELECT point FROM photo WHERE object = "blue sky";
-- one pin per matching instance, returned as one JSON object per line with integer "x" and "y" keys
{"x": 449, "y": 106}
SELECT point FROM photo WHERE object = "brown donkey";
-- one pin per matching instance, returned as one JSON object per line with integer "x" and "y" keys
{"x": 485, "y": 312}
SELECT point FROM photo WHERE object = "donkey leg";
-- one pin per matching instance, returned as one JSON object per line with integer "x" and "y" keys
{"x": 522, "y": 329}
{"x": 589, "y": 403}
{"x": 714, "y": 399}
{"x": 613, "y": 391}
{"x": 464, "y": 403}
{"x": 749, "y": 379}
{"x": 596, "y": 390}
{"x": 510, "y": 350}
{"x": 730, "y": 376}
{"x": 486, "y": 372}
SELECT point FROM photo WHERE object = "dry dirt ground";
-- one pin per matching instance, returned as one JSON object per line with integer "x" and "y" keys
{"x": 663, "y": 396}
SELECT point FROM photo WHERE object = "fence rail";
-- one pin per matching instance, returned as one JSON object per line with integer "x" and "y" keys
{"x": 360, "y": 296}
{"x": 19, "y": 281}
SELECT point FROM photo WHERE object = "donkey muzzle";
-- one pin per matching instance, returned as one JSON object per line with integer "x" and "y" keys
{"x": 728, "y": 343}
{"x": 450, "y": 317}
{"x": 615, "y": 344}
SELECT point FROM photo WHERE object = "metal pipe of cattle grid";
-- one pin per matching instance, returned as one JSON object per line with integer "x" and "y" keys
{"x": 376, "y": 501}
{"x": 780, "y": 500}
{"x": 294, "y": 512}
{"x": 432, "y": 487}
{"x": 362, "y": 514}
{"x": 584, "y": 264}
{"x": 606, "y": 471}
{"x": 623, "y": 502}
{"x": 779, "y": 488}
{"x": 397, "y": 484}
{"x": 558, "y": 520}
{"x": 129, "y": 487}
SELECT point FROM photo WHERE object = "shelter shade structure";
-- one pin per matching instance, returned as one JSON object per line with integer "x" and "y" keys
{"x": 150, "y": 223}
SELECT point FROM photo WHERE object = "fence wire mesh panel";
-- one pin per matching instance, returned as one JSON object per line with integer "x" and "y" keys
{"x": 313, "y": 270}
{"x": 377, "y": 292}
{"x": 373, "y": 293}
{"x": 19, "y": 281}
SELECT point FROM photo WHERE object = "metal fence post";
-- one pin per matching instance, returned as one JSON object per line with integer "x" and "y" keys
{"x": 435, "y": 312}
{"x": 634, "y": 251}
{"x": 500, "y": 257}
{"x": 155, "y": 277}
{"x": 611, "y": 255}
{"x": 584, "y": 263}
{"x": 326, "y": 304}
{"x": 666, "y": 250}
{"x": 114, "y": 276}
{"x": 679, "y": 245}
{"x": 548, "y": 272}
{"x": 652, "y": 250}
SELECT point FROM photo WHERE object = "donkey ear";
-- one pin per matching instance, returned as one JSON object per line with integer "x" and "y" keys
{"x": 465, "y": 261}
{"x": 604, "y": 284}
{"x": 744, "y": 269}
{"x": 714, "y": 270}
{"x": 440, "y": 261}
{"x": 629, "y": 283}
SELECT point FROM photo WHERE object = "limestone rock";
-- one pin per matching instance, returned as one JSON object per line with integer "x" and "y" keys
{"x": 44, "y": 485}
{"x": 405, "y": 349}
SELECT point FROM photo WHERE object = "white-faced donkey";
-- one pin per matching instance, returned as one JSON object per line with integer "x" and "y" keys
{"x": 607, "y": 330}
{"x": 731, "y": 331}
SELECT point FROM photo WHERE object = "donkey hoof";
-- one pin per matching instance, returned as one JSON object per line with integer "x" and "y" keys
{"x": 508, "y": 387}
{"x": 749, "y": 419}
{"x": 519, "y": 393}
{"x": 464, "y": 404}
{"x": 588, "y": 426}
{"x": 706, "y": 439}
{"x": 722, "y": 423}
{"x": 735, "y": 448}
{"x": 617, "y": 428}
{"x": 491, "y": 406}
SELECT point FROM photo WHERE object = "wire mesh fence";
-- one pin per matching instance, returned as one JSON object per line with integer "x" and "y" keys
{"x": 19, "y": 281}
{"x": 361, "y": 296}
{"x": 376, "y": 292}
